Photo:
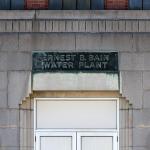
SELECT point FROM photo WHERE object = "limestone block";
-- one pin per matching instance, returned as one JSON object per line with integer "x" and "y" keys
{"x": 3, "y": 61}
{"x": 141, "y": 137}
{"x": 9, "y": 26}
{"x": 49, "y": 42}
{"x": 69, "y": 26}
{"x": 132, "y": 87}
{"x": 147, "y": 61}
{"x": 139, "y": 148}
{"x": 19, "y": 61}
{"x": 71, "y": 81}
{"x": 121, "y": 26}
{"x": 89, "y": 26}
{"x": 4, "y": 117}
{"x": 18, "y": 87}
{"x": 135, "y": 26}
{"x": 117, "y": 42}
{"x": 141, "y": 118}
{"x": 82, "y": 25}
{"x": 49, "y": 25}
{"x": 17, "y": 14}
{"x": 109, "y": 26}
{"x": 146, "y": 99}
{"x": 115, "y": 26}
{"x": 129, "y": 26}
{"x": 102, "y": 26}
{"x": 16, "y": 25}
{"x": 9, "y": 118}
{"x": 146, "y": 80}
{"x": 62, "y": 26}
{"x": 42, "y": 26}
{"x": 23, "y": 118}
{"x": 9, "y": 137}
{"x": 55, "y": 26}
{"x": 12, "y": 148}
{"x": 9, "y": 42}
{"x": 29, "y": 26}
{"x": 3, "y": 80}
{"x": 88, "y": 42}
{"x": 95, "y": 26}
{"x": 131, "y": 61}
{"x": 142, "y": 26}
{"x": 142, "y": 42}
{"x": 147, "y": 25}
{"x": 22, "y": 26}
{"x": 2, "y": 26}
{"x": 3, "y": 98}
{"x": 75, "y": 26}
{"x": 13, "y": 117}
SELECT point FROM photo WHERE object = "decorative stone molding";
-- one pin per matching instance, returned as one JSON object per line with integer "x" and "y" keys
{"x": 74, "y": 21}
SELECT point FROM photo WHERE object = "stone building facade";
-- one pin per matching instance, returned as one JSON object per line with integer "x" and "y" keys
{"x": 24, "y": 32}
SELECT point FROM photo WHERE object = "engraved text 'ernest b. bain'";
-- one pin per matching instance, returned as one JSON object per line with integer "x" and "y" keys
{"x": 54, "y": 62}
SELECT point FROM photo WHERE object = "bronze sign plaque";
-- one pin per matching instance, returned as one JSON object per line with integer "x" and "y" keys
{"x": 75, "y": 62}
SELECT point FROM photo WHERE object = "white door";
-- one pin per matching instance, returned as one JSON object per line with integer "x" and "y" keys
{"x": 96, "y": 141}
{"x": 76, "y": 141}
{"x": 56, "y": 141}
{"x": 76, "y": 124}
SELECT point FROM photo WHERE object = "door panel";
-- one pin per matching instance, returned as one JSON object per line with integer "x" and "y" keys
{"x": 76, "y": 141}
{"x": 96, "y": 141}
{"x": 56, "y": 141}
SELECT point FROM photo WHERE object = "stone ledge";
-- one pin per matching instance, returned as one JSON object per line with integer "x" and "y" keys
{"x": 94, "y": 14}
{"x": 75, "y": 14}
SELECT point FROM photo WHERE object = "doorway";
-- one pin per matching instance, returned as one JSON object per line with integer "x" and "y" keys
{"x": 76, "y": 123}
{"x": 76, "y": 141}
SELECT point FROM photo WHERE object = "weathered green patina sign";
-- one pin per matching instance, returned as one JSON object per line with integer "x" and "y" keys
{"x": 75, "y": 62}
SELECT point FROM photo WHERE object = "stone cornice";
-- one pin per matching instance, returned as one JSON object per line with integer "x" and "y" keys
{"x": 46, "y": 21}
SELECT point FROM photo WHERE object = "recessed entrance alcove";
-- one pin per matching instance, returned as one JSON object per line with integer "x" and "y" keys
{"x": 76, "y": 110}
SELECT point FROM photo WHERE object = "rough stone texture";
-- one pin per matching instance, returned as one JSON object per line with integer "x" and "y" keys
{"x": 17, "y": 87}
{"x": 146, "y": 61}
{"x": 35, "y": 42}
{"x": 131, "y": 61}
{"x": 146, "y": 99}
{"x": 3, "y": 80}
{"x": 146, "y": 80}
{"x": 3, "y": 98}
{"x": 3, "y": 61}
{"x": 84, "y": 26}
{"x": 132, "y": 87}
{"x": 8, "y": 42}
{"x": 9, "y": 137}
{"x": 75, "y": 21}
{"x": 88, "y": 42}
{"x": 9, "y": 118}
{"x": 141, "y": 118}
{"x": 141, "y": 137}
{"x": 104, "y": 42}
{"x": 142, "y": 42}
{"x": 75, "y": 82}
{"x": 19, "y": 61}
{"x": 140, "y": 148}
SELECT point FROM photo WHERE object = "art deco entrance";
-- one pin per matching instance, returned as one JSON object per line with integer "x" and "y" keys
{"x": 76, "y": 124}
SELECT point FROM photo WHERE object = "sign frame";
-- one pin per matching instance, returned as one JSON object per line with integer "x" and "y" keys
{"x": 75, "y": 62}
